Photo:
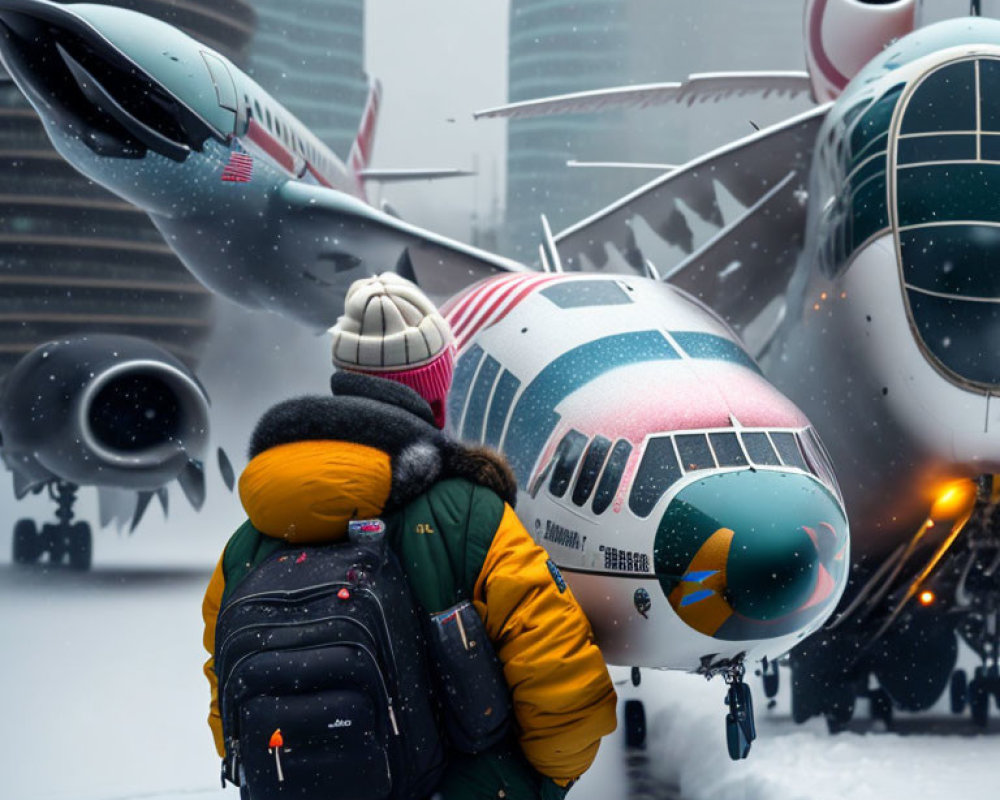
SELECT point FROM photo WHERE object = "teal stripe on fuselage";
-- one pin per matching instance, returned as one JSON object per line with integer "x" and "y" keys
{"x": 534, "y": 416}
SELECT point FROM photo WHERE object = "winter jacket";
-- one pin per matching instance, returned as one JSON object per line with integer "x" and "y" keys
{"x": 317, "y": 463}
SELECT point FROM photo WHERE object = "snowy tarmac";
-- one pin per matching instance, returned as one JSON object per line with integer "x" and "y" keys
{"x": 103, "y": 699}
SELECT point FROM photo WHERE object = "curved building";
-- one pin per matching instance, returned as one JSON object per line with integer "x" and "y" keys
{"x": 311, "y": 55}
{"x": 76, "y": 259}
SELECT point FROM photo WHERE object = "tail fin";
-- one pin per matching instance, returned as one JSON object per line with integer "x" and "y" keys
{"x": 361, "y": 150}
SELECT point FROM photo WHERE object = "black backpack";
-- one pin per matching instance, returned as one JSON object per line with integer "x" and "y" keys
{"x": 323, "y": 679}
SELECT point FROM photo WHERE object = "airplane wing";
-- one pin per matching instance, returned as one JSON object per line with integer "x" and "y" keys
{"x": 329, "y": 225}
{"x": 400, "y": 175}
{"x": 698, "y": 88}
{"x": 735, "y": 261}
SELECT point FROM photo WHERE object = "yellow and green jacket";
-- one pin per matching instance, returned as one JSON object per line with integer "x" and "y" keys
{"x": 456, "y": 539}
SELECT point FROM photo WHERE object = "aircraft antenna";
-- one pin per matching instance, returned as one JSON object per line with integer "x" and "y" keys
{"x": 547, "y": 249}
{"x": 976, "y": 8}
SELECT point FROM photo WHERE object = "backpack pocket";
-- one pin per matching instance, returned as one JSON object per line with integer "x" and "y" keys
{"x": 322, "y": 728}
{"x": 475, "y": 698}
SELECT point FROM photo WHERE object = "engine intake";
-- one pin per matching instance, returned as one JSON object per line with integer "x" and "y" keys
{"x": 102, "y": 410}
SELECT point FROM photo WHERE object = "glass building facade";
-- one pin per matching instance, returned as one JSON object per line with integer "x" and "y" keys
{"x": 310, "y": 55}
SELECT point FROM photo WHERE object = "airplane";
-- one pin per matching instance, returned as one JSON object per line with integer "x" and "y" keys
{"x": 712, "y": 609}
{"x": 851, "y": 247}
{"x": 111, "y": 411}
{"x": 278, "y": 221}
{"x": 689, "y": 504}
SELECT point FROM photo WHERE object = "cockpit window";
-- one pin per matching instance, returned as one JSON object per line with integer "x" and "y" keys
{"x": 760, "y": 450}
{"x": 694, "y": 452}
{"x": 612, "y": 476}
{"x": 657, "y": 472}
{"x": 788, "y": 450}
{"x": 592, "y": 463}
{"x": 564, "y": 463}
{"x": 944, "y": 101}
{"x": 947, "y": 176}
{"x": 584, "y": 293}
{"x": 727, "y": 449}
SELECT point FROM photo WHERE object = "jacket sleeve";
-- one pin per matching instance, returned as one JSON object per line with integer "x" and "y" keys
{"x": 210, "y": 612}
{"x": 563, "y": 697}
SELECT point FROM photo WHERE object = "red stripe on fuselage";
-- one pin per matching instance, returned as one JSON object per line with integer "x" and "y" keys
{"x": 261, "y": 137}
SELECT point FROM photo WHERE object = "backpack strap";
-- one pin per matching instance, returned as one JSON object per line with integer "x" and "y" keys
{"x": 247, "y": 548}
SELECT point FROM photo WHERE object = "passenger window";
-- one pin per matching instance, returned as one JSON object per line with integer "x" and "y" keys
{"x": 788, "y": 449}
{"x": 759, "y": 449}
{"x": 256, "y": 107}
{"x": 592, "y": 463}
{"x": 612, "y": 476}
{"x": 727, "y": 449}
{"x": 657, "y": 472}
{"x": 567, "y": 454}
{"x": 268, "y": 113}
{"x": 694, "y": 452}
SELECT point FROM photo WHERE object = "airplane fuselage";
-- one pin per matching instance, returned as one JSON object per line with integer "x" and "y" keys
{"x": 892, "y": 341}
{"x": 686, "y": 501}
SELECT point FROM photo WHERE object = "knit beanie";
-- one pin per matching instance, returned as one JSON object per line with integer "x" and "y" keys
{"x": 390, "y": 329}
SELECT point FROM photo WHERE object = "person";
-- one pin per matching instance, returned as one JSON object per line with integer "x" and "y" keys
{"x": 375, "y": 449}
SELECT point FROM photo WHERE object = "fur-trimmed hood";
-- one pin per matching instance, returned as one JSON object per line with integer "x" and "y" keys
{"x": 364, "y": 411}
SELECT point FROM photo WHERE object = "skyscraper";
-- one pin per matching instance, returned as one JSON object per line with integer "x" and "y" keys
{"x": 576, "y": 45}
{"x": 311, "y": 55}
{"x": 559, "y": 47}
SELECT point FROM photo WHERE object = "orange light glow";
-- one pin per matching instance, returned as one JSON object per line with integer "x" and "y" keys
{"x": 927, "y": 598}
{"x": 956, "y": 499}
{"x": 277, "y": 740}
{"x": 815, "y": 306}
{"x": 843, "y": 295}
{"x": 823, "y": 296}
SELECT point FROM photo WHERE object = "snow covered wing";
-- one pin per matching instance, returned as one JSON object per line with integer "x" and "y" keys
{"x": 698, "y": 88}
{"x": 726, "y": 227}
{"x": 341, "y": 232}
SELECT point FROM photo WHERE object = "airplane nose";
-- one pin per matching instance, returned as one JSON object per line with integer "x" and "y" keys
{"x": 752, "y": 554}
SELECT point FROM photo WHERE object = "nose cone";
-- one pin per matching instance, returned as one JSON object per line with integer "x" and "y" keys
{"x": 752, "y": 554}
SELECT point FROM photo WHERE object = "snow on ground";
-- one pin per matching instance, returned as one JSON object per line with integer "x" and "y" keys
{"x": 102, "y": 698}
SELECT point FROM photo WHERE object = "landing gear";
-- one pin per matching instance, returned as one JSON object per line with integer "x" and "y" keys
{"x": 880, "y": 707}
{"x": 64, "y": 540}
{"x": 741, "y": 729}
{"x": 958, "y": 691}
{"x": 635, "y": 724}
{"x": 771, "y": 678}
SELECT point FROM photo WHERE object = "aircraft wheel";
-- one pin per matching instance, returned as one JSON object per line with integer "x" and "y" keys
{"x": 839, "y": 711}
{"x": 80, "y": 546}
{"x": 27, "y": 547}
{"x": 54, "y": 542}
{"x": 979, "y": 701}
{"x": 881, "y": 707}
{"x": 635, "y": 724}
{"x": 959, "y": 692}
{"x": 771, "y": 681}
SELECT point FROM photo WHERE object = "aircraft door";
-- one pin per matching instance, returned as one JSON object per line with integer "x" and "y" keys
{"x": 225, "y": 88}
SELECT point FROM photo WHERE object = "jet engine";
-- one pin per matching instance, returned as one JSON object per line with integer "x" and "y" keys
{"x": 115, "y": 412}
{"x": 104, "y": 411}
{"x": 842, "y": 36}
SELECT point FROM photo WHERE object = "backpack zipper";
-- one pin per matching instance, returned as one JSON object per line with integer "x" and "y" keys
{"x": 229, "y": 638}
{"x": 365, "y": 650}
